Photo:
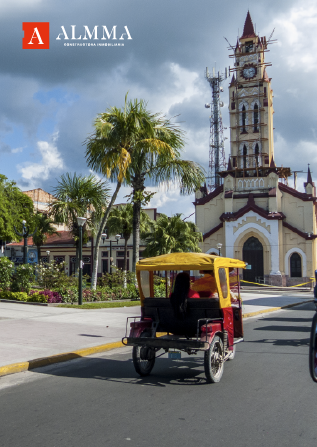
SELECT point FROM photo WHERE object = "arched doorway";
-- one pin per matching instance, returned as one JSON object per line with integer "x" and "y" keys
{"x": 295, "y": 265}
{"x": 253, "y": 255}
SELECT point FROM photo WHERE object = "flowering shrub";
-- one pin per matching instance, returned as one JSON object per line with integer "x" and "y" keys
{"x": 6, "y": 271}
{"x": 49, "y": 275}
{"x": 50, "y": 296}
{"x": 22, "y": 278}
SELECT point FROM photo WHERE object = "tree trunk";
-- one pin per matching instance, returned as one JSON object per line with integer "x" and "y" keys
{"x": 125, "y": 253}
{"x": 38, "y": 254}
{"x": 138, "y": 188}
{"x": 136, "y": 233}
{"x": 98, "y": 237}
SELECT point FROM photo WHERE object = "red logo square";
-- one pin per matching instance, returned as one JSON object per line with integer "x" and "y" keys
{"x": 36, "y": 35}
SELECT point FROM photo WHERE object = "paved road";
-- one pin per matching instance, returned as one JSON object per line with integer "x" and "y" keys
{"x": 266, "y": 397}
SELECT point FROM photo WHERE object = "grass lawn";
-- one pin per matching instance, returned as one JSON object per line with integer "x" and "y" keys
{"x": 102, "y": 305}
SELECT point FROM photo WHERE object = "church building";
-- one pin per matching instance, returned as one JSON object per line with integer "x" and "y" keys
{"x": 255, "y": 214}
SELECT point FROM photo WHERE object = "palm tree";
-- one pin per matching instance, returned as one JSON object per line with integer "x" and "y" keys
{"x": 44, "y": 227}
{"x": 160, "y": 168}
{"x": 170, "y": 235}
{"x": 119, "y": 134}
{"x": 79, "y": 196}
{"x": 121, "y": 221}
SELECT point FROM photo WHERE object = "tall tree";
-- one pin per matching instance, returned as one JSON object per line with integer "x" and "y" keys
{"x": 121, "y": 221}
{"x": 170, "y": 235}
{"x": 44, "y": 228}
{"x": 14, "y": 208}
{"x": 159, "y": 168}
{"x": 79, "y": 196}
{"x": 119, "y": 134}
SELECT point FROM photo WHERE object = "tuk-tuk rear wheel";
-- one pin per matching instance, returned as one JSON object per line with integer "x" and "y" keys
{"x": 214, "y": 360}
{"x": 143, "y": 357}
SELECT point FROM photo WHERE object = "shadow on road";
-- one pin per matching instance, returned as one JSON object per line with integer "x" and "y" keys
{"x": 165, "y": 371}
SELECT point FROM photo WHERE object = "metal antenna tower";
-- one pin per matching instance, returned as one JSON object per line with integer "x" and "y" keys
{"x": 217, "y": 160}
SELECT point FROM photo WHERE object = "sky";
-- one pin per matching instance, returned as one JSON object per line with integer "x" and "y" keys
{"x": 49, "y": 98}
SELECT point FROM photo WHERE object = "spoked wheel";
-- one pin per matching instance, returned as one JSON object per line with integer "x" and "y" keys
{"x": 214, "y": 361}
{"x": 143, "y": 357}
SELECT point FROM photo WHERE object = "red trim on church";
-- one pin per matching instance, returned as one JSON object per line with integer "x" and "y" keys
{"x": 293, "y": 192}
{"x": 299, "y": 232}
{"x": 212, "y": 231}
{"x": 251, "y": 206}
{"x": 209, "y": 196}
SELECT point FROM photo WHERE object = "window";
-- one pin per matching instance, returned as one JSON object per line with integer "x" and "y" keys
{"x": 120, "y": 254}
{"x": 104, "y": 254}
{"x": 255, "y": 118}
{"x": 296, "y": 265}
{"x": 223, "y": 282}
{"x": 249, "y": 47}
{"x": 245, "y": 153}
{"x": 72, "y": 265}
{"x": 105, "y": 266}
{"x": 256, "y": 153}
{"x": 244, "y": 117}
{"x": 120, "y": 264}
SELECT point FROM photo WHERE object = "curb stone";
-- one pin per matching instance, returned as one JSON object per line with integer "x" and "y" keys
{"x": 66, "y": 356}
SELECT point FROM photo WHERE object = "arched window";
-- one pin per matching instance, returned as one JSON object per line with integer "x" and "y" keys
{"x": 245, "y": 153}
{"x": 256, "y": 153}
{"x": 244, "y": 118}
{"x": 255, "y": 118}
{"x": 296, "y": 265}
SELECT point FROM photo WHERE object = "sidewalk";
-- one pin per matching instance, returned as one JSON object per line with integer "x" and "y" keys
{"x": 29, "y": 332}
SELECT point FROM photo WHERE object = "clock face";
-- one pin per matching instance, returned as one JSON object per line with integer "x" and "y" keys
{"x": 249, "y": 72}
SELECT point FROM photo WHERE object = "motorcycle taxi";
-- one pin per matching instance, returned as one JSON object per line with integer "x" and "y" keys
{"x": 212, "y": 323}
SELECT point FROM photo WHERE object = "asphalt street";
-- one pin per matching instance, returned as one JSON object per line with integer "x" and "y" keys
{"x": 265, "y": 398}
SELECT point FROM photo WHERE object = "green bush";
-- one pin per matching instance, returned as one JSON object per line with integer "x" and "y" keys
{"x": 22, "y": 278}
{"x": 37, "y": 298}
{"x": 159, "y": 287}
{"x": 16, "y": 296}
{"x": 6, "y": 271}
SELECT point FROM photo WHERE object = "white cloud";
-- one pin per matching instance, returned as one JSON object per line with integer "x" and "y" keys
{"x": 17, "y": 150}
{"x": 51, "y": 161}
{"x": 296, "y": 31}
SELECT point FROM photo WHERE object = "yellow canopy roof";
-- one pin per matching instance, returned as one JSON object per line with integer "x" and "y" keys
{"x": 188, "y": 261}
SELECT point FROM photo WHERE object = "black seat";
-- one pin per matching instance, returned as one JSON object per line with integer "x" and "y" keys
{"x": 161, "y": 311}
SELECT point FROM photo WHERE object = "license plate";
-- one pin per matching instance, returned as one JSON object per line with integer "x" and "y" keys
{"x": 176, "y": 355}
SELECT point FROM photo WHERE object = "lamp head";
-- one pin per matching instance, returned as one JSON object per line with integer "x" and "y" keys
{"x": 81, "y": 221}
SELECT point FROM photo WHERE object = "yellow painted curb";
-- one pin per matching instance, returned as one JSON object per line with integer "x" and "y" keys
{"x": 37, "y": 363}
{"x": 45, "y": 361}
{"x": 272, "y": 309}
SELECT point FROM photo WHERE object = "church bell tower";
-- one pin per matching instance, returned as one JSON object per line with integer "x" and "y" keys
{"x": 251, "y": 108}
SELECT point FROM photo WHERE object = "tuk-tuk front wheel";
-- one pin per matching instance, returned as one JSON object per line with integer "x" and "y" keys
{"x": 143, "y": 357}
{"x": 214, "y": 360}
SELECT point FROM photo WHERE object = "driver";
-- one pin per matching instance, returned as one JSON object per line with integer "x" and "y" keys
{"x": 206, "y": 286}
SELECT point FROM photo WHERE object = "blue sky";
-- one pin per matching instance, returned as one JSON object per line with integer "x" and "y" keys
{"x": 49, "y": 98}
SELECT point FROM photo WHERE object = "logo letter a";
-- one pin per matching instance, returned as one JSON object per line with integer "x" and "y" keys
{"x": 36, "y": 35}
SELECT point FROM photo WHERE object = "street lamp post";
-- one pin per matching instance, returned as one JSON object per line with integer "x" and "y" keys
{"x": 81, "y": 221}
{"x": 219, "y": 245}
